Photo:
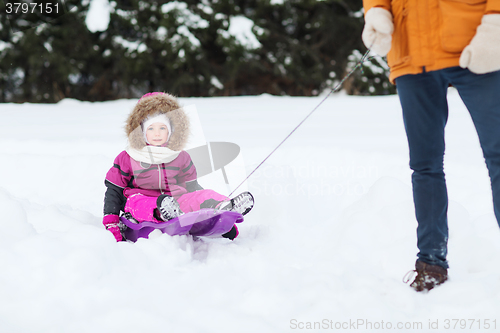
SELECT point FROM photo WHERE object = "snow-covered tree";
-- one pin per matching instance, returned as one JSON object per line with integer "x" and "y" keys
{"x": 108, "y": 49}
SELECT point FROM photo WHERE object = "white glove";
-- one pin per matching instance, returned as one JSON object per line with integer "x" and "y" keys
{"x": 377, "y": 34}
{"x": 482, "y": 55}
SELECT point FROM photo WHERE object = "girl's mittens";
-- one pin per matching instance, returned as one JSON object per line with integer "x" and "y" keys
{"x": 111, "y": 221}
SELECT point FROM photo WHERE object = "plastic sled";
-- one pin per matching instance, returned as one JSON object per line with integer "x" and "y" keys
{"x": 204, "y": 222}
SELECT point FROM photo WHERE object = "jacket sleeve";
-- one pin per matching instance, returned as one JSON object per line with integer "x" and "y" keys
{"x": 493, "y": 7}
{"x": 114, "y": 200}
{"x": 369, "y": 4}
{"x": 117, "y": 178}
{"x": 188, "y": 174}
{"x": 188, "y": 170}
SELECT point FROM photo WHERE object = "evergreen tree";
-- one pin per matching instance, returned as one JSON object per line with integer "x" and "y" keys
{"x": 176, "y": 46}
{"x": 188, "y": 48}
{"x": 46, "y": 56}
{"x": 371, "y": 79}
{"x": 305, "y": 43}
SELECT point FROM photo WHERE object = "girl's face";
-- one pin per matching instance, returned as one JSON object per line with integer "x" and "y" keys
{"x": 157, "y": 134}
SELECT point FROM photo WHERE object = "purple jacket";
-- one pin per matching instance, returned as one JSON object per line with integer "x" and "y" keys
{"x": 128, "y": 177}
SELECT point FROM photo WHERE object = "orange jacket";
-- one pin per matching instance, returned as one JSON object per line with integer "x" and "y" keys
{"x": 431, "y": 34}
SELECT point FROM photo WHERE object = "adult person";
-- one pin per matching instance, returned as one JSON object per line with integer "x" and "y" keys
{"x": 430, "y": 45}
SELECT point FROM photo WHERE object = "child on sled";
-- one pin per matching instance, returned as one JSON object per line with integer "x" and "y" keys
{"x": 154, "y": 179}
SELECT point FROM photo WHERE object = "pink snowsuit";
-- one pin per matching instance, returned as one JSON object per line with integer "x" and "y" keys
{"x": 134, "y": 184}
{"x": 142, "y": 183}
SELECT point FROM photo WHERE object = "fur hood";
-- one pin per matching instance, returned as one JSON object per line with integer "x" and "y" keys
{"x": 149, "y": 105}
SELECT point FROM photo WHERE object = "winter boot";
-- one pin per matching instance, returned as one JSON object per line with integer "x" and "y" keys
{"x": 428, "y": 276}
{"x": 232, "y": 234}
{"x": 242, "y": 203}
{"x": 168, "y": 207}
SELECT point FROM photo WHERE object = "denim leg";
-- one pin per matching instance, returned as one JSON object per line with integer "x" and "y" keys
{"x": 425, "y": 113}
{"x": 481, "y": 95}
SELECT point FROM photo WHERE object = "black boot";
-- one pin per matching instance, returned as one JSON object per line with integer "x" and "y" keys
{"x": 231, "y": 234}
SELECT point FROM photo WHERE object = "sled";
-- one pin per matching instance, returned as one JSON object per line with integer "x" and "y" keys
{"x": 204, "y": 222}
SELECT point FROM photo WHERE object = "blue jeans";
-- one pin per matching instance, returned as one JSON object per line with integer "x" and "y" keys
{"x": 425, "y": 113}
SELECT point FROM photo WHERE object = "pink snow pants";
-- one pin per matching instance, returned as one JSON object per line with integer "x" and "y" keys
{"x": 142, "y": 207}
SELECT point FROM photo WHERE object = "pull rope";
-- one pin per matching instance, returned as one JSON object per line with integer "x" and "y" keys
{"x": 335, "y": 89}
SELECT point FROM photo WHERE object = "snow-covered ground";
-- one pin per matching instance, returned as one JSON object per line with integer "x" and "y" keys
{"x": 325, "y": 248}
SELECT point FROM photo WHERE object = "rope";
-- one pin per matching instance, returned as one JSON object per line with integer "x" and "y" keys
{"x": 335, "y": 89}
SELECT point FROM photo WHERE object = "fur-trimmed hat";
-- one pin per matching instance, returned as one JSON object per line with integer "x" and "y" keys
{"x": 152, "y": 104}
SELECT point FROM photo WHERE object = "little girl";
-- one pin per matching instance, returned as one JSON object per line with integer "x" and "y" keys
{"x": 154, "y": 179}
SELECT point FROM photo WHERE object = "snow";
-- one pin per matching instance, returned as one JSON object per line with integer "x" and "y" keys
{"x": 161, "y": 33}
{"x": 186, "y": 17}
{"x": 98, "y": 15}
{"x": 130, "y": 46}
{"x": 326, "y": 246}
{"x": 240, "y": 27}
{"x": 48, "y": 46}
{"x": 184, "y": 31}
{"x": 216, "y": 83}
{"x": 187, "y": 20}
{"x": 4, "y": 45}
